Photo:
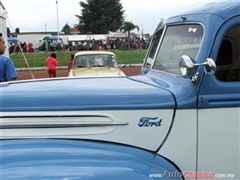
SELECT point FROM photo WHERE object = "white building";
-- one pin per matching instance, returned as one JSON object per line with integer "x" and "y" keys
{"x": 36, "y": 38}
{"x": 3, "y": 26}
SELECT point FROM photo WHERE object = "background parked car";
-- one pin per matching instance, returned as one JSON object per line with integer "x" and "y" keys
{"x": 95, "y": 63}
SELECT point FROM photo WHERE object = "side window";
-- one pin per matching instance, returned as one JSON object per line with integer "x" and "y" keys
{"x": 153, "y": 49}
{"x": 155, "y": 43}
{"x": 228, "y": 59}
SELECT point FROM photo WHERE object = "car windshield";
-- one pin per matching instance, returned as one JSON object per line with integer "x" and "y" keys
{"x": 178, "y": 40}
{"x": 95, "y": 60}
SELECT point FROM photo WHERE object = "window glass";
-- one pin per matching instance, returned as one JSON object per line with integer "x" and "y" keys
{"x": 155, "y": 43}
{"x": 95, "y": 60}
{"x": 228, "y": 59}
{"x": 178, "y": 40}
{"x": 153, "y": 49}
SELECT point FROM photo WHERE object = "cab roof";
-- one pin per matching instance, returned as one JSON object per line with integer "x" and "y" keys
{"x": 225, "y": 10}
{"x": 207, "y": 13}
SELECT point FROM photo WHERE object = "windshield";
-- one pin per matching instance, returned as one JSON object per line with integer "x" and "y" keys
{"x": 95, "y": 60}
{"x": 178, "y": 40}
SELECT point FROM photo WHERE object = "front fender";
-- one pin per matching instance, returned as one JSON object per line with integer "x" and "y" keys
{"x": 75, "y": 159}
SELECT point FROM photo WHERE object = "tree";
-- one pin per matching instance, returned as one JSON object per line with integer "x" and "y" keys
{"x": 100, "y": 16}
{"x": 17, "y": 30}
{"x": 8, "y": 32}
{"x": 128, "y": 26}
{"x": 66, "y": 29}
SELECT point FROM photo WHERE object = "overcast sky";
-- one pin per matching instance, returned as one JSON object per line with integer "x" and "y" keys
{"x": 32, "y": 15}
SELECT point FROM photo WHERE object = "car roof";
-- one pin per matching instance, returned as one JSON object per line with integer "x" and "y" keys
{"x": 94, "y": 52}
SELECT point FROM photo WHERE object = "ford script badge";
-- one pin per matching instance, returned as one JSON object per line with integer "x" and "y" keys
{"x": 149, "y": 122}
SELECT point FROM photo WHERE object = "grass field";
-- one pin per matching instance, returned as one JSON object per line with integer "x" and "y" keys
{"x": 38, "y": 59}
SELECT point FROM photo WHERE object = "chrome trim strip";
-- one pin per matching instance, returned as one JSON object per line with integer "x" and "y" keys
{"x": 51, "y": 116}
{"x": 61, "y": 125}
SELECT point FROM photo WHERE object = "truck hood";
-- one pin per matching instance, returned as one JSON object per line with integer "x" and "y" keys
{"x": 83, "y": 94}
{"x": 70, "y": 159}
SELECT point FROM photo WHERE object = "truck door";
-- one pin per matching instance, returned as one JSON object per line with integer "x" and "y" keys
{"x": 219, "y": 107}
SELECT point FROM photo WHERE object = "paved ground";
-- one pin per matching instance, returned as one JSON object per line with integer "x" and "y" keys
{"x": 22, "y": 75}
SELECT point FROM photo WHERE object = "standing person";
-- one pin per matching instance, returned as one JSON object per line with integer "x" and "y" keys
{"x": 51, "y": 62}
{"x": 7, "y": 69}
{"x": 73, "y": 45}
{"x": 70, "y": 63}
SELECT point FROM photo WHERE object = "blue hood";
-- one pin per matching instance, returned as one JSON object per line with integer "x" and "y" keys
{"x": 69, "y": 159}
{"x": 83, "y": 94}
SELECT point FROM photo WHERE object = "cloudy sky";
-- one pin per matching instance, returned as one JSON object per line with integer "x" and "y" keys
{"x": 34, "y": 15}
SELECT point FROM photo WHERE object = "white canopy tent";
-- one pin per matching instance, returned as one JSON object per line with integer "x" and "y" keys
{"x": 3, "y": 25}
{"x": 86, "y": 37}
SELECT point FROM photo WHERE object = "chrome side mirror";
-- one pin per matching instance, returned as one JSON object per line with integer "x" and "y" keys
{"x": 188, "y": 67}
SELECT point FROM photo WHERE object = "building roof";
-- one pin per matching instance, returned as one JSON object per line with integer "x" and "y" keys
{"x": 74, "y": 31}
{"x": 31, "y": 33}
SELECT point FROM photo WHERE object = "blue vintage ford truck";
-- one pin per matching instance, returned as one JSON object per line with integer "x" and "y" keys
{"x": 179, "y": 119}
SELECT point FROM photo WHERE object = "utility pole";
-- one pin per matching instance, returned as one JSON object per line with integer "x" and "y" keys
{"x": 45, "y": 28}
{"x": 46, "y": 41}
{"x": 57, "y": 21}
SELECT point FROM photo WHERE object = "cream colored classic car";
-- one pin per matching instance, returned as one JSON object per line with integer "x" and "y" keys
{"x": 95, "y": 63}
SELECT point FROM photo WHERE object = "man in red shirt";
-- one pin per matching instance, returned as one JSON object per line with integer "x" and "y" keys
{"x": 52, "y": 65}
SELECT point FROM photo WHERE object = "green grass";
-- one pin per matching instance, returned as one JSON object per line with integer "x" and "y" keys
{"x": 37, "y": 59}
{"x": 130, "y": 56}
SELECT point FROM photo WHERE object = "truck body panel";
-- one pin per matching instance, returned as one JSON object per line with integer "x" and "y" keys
{"x": 178, "y": 108}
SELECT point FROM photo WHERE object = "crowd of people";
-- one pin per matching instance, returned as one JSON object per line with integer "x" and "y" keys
{"x": 77, "y": 45}
{"x": 135, "y": 43}
{"x": 51, "y": 45}
{"x": 116, "y": 43}
{"x": 25, "y": 47}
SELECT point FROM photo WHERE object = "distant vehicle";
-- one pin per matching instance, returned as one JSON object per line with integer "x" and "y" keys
{"x": 95, "y": 63}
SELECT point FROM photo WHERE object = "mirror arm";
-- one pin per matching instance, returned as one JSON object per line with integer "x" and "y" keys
{"x": 189, "y": 68}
